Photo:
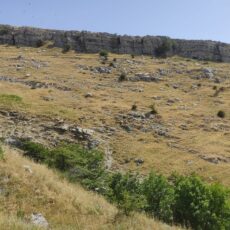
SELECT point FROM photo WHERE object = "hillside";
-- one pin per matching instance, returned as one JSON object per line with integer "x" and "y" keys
{"x": 50, "y": 96}
{"x": 27, "y": 188}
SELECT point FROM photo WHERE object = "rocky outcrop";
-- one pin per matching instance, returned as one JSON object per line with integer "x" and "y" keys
{"x": 94, "y": 42}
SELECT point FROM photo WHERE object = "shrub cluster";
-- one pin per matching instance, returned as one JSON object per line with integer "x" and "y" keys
{"x": 184, "y": 200}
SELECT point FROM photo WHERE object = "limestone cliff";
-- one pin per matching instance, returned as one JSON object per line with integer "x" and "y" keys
{"x": 94, "y": 42}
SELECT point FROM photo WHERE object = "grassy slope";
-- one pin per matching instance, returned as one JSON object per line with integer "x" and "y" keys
{"x": 197, "y": 108}
{"x": 64, "y": 205}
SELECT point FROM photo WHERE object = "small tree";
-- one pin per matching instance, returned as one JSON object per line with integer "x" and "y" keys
{"x": 104, "y": 54}
{"x": 160, "y": 197}
{"x": 221, "y": 114}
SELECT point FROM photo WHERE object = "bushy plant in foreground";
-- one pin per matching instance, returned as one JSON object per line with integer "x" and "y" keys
{"x": 184, "y": 200}
{"x": 160, "y": 197}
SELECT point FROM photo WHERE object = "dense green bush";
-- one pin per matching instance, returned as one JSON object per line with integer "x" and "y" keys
{"x": 125, "y": 190}
{"x": 199, "y": 205}
{"x": 160, "y": 197}
{"x": 79, "y": 164}
{"x": 35, "y": 151}
{"x": 184, "y": 200}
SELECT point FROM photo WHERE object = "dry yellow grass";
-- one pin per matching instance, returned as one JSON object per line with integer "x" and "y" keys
{"x": 64, "y": 205}
{"x": 196, "y": 109}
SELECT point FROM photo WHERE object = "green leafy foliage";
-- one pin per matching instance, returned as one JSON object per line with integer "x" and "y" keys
{"x": 199, "y": 205}
{"x": 126, "y": 192}
{"x": 104, "y": 54}
{"x": 184, "y": 200}
{"x": 160, "y": 197}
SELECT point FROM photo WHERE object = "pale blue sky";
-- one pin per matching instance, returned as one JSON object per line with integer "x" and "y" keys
{"x": 191, "y": 19}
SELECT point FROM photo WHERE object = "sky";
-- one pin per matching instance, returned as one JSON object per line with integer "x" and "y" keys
{"x": 189, "y": 19}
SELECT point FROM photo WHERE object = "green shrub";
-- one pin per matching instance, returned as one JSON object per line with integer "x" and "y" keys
{"x": 125, "y": 191}
{"x": 200, "y": 206}
{"x": 184, "y": 200}
{"x": 221, "y": 114}
{"x": 104, "y": 54}
{"x": 35, "y": 151}
{"x": 134, "y": 107}
{"x": 122, "y": 77}
{"x": 160, "y": 197}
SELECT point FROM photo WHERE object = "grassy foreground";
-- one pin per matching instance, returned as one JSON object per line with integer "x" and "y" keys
{"x": 64, "y": 205}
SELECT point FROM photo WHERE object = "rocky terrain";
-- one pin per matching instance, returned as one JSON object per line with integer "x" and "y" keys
{"x": 88, "y": 42}
{"x": 164, "y": 114}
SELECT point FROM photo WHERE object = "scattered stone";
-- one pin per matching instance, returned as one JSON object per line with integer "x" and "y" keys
{"x": 27, "y": 168}
{"x": 102, "y": 69}
{"x": 39, "y": 220}
{"x": 215, "y": 159}
{"x": 138, "y": 161}
{"x": 145, "y": 77}
{"x": 88, "y": 95}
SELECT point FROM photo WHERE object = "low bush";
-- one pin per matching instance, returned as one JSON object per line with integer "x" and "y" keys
{"x": 134, "y": 107}
{"x": 104, "y": 54}
{"x": 122, "y": 77}
{"x": 221, "y": 114}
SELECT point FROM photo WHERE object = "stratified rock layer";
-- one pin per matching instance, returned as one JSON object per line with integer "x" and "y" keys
{"x": 94, "y": 42}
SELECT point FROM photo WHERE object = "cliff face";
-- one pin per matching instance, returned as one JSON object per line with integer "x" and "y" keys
{"x": 95, "y": 42}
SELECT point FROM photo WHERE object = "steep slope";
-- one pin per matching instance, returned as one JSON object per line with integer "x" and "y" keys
{"x": 26, "y": 188}
{"x": 48, "y": 96}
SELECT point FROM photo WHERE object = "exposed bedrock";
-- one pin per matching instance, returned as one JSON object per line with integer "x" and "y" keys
{"x": 94, "y": 42}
